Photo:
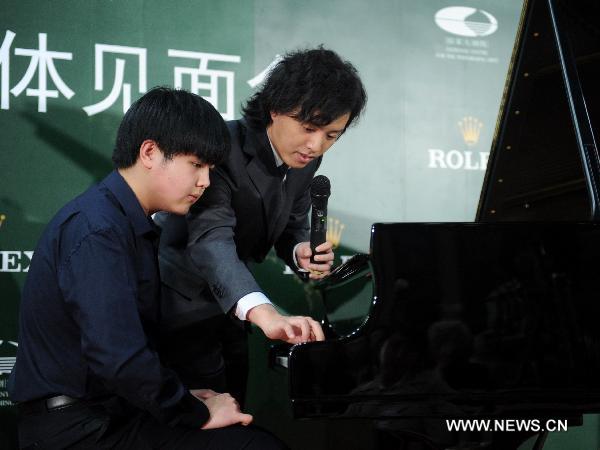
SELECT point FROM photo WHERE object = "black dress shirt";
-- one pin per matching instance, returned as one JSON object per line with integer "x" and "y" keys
{"x": 90, "y": 307}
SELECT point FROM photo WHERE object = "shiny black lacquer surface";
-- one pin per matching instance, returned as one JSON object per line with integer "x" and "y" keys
{"x": 468, "y": 320}
{"x": 497, "y": 318}
{"x": 544, "y": 162}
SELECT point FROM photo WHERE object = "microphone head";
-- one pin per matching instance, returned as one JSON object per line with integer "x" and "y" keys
{"x": 320, "y": 187}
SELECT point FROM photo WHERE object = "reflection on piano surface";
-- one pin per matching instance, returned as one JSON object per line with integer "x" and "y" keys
{"x": 471, "y": 320}
{"x": 496, "y": 318}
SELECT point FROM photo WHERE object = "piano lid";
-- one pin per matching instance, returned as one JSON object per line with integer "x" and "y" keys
{"x": 487, "y": 319}
{"x": 544, "y": 162}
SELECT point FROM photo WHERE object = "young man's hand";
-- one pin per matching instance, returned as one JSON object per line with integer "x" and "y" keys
{"x": 203, "y": 394}
{"x": 291, "y": 329}
{"x": 224, "y": 411}
{"x": 323, "y": 262}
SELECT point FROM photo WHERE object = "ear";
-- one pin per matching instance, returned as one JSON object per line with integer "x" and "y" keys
{"x": 273, "y": 115}
{"x": 149, "y": 153}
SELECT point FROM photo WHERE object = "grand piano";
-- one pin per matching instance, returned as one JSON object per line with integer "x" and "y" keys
{"x": 495, "y": 319}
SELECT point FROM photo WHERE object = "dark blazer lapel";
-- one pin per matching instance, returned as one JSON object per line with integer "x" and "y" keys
{"x": 263, "y": 173}
{"x": 287, "y": 199}
{"x": 297, "y": 182}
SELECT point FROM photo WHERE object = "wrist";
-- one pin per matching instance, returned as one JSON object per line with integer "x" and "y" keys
{"x": 296, "y": 256}
{"x": 261, "y": 314}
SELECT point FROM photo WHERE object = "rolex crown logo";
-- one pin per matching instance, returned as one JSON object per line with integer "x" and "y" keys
{"x": 470, "y": 127}
{"x": 2, "y": 219}
{"x": 334, "y": 231}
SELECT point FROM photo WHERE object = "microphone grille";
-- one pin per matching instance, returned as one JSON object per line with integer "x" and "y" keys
{"x": 320, "y": 186}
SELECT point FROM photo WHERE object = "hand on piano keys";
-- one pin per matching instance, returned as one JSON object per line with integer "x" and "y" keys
{"x": 290, "y": 329}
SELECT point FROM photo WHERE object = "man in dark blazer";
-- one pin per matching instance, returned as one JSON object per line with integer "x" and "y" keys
{"x": 259, "y": 198}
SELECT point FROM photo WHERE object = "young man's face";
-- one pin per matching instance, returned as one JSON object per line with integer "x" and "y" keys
{"x": 298, "y": 143}
{"x": 180, "y": 182}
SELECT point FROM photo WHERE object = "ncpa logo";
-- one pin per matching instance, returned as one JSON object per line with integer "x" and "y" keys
{"x": 465, "y": 21}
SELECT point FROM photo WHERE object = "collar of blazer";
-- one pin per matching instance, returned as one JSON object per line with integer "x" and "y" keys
{"x": 264, "y": 175}
{"x": 262, "y": 171}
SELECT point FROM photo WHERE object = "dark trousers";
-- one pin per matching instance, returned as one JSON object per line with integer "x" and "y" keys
{"x": 114, "y": 424}
{"x": 212, "y": 354}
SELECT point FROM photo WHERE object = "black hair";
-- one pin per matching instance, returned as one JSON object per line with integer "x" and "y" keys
{"x": 314, "y": 86}
{"x": 178, "y": 121}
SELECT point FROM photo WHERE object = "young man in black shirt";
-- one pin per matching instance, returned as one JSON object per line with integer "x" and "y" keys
{"x": 87, "y": 373}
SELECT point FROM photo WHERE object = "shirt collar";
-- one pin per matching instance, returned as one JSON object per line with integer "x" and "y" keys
{"x": 278, "y": 160}
{"x": 129, "y": 203}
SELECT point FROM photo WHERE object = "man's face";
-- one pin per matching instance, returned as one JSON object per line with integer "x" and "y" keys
{"x": 179, "y": 182}
{"x": 298, "y": 143}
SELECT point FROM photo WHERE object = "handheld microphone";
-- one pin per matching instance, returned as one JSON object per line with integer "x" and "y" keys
{"x": 320, "y": 189}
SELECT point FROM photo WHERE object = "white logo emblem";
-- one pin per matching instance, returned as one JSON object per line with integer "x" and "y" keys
{"x": 465, "y": 21}
{"x": 7, "y": 362}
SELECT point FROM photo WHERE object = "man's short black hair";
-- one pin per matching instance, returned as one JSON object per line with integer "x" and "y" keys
{"x": 178, "y": 121}
{"x": 314, "y": 86}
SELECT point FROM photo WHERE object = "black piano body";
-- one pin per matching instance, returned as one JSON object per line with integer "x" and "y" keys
{"x": 490, "y": 320}
{"x": 496, "y": 318}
